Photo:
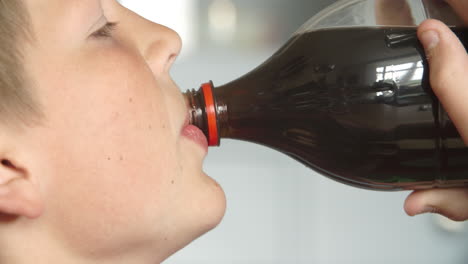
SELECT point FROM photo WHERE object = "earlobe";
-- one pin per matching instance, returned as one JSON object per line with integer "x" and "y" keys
{"x": 19, "y": 196}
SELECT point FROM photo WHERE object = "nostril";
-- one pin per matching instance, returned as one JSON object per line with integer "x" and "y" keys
{"x": 160, "y": 55}
{"x": 171, "y": 61}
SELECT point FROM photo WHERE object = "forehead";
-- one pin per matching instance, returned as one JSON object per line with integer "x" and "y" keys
{"x": 57, "y": 9}
{"x": 62, "y": 4}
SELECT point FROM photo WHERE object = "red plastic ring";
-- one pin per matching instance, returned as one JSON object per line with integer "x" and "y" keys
{"x": 213, "y": 137}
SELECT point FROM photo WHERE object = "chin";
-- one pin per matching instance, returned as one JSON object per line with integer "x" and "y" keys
{"x": 203, "y": 211}
{"x": 214, "y": 207}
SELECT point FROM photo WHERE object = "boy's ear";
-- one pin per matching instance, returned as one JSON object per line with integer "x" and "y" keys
{"x": 19, "y": 195}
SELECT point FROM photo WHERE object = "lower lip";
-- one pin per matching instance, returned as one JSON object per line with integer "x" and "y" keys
{"x": 195, "y": 134}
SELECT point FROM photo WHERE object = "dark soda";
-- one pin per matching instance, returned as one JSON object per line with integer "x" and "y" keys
{"x": 353, "y": 104}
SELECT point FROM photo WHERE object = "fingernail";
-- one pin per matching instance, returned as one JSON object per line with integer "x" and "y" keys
{"x": 430, "y": 39}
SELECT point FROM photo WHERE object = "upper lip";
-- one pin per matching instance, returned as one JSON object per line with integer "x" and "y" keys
{"x": 187, "y": 115}
{"x": 186, "y": 121}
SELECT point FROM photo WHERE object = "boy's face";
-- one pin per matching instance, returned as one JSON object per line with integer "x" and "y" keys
{"x": 115, "y": 172}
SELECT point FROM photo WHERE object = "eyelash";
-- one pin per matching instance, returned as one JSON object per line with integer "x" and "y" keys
{"x": 106, "y": 31}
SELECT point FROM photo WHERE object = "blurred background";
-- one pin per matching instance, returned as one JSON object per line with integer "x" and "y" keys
{"x": 278, "y": 210}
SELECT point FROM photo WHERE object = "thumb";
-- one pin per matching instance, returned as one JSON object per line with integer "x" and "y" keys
{"x": 448, "y": 63}
{"x": 452, "y": 203}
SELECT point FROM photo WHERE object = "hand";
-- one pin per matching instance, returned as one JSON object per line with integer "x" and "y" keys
{"x": 448, "y": 61}
{"x": 393, "y": 12}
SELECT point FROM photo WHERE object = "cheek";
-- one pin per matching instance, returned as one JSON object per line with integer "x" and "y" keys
{"x": 110, "y": 150}
{"x": 110, "y": 181}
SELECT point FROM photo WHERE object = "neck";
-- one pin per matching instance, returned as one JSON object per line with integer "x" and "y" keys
{"x": 25, "y": 246}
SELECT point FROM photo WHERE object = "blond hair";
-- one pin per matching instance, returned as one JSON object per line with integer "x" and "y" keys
{"x": 17, "y": 104}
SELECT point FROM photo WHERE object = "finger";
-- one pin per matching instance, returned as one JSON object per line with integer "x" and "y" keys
{"x": 460, "y": 7}
{"x": 441, "y": 10}
{"x": 393, "y": 12}
{"x": 448, "y": 64}
{"x": 452, "y": 203}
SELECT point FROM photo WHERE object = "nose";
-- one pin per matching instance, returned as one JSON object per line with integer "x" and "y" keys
{"x": 162, "y": 48}
{"x": 159, "y": 45}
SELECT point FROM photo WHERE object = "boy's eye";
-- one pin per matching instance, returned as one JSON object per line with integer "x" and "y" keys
{"x": 105, "y": 31}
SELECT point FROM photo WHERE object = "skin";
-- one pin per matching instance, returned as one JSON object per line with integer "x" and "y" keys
{"x": 448, "y": 62}
{"x": 106, "y": 176}
{"x": 393, "y": 12}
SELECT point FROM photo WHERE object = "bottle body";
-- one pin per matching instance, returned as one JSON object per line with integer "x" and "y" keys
{"x": 354, "y": 104}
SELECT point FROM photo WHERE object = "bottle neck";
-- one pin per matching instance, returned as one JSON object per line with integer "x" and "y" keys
{"x": 207, "y": 113}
